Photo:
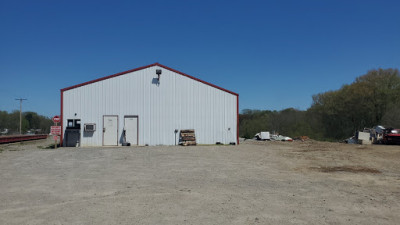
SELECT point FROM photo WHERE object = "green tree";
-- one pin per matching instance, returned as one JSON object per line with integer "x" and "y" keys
{"x": 360, "y": 104}
{"x": 30, "y": 120}
{"x": 372, "y": 99}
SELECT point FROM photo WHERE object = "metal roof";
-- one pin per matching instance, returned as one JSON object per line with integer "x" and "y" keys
{"x": 144, "y": 67}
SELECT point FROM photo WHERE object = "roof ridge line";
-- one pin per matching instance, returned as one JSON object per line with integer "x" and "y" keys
{"x": 145, "y": 67}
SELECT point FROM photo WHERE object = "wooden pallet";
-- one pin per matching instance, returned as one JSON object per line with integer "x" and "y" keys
{"x": 187, "y": 137}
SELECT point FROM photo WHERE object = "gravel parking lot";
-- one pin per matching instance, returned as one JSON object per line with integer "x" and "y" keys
{"x": 253, "y": 183}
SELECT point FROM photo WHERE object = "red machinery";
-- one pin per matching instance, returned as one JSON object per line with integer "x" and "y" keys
{"x": 391, "y": 136}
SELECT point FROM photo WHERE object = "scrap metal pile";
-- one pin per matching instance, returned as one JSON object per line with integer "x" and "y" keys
{"x": 265, "y": 135}
{"x": 376, "y": 135}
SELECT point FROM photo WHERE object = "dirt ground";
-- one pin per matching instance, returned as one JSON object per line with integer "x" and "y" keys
{"x": 253, "y": 183}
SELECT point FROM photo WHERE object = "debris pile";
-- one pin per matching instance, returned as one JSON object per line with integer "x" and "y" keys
{"x": 265, "y": 135}
{"x": 302, "y": 138}
{"x": 4, "y": 132}
{"x": 280, "y": 138}
{"x": 376, "y": 135}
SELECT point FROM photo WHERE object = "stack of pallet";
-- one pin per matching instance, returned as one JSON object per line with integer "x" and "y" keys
{"x": 187, "y": 137}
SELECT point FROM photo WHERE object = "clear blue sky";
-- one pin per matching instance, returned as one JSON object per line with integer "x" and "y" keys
{"x": 275, "y": 54}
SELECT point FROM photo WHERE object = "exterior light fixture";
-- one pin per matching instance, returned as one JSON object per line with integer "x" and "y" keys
{"x": 158, "y": 72}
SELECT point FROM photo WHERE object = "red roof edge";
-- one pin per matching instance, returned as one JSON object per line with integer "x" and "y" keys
{"x": 145, "y": 67}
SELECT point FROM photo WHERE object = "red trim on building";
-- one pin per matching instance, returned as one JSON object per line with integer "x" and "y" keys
{"x": 237, "y": 120}
{"x": 145, "y": 67}
{"x": 196, "y": 79}
{"x": 141, "y": 68}
{"x": 61, "y": 117}
{"x": 108, "y": 77}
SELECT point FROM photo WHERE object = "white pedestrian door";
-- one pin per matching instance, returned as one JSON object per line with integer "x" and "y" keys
{"x": 131, "y": 129}
{"x": 110, "y": 130}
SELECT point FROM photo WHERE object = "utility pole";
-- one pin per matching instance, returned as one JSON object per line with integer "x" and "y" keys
{"x": 20, "y": 113}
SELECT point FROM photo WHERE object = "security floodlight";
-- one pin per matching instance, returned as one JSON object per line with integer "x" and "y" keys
{"x": 158, "y": 72}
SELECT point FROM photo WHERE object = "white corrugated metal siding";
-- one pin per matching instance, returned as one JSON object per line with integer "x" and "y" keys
{"x": 177, "y": 102}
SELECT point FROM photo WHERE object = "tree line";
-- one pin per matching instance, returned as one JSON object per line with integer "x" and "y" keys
{"x": 31, "y": 122}
{"x": 372, "y": 99}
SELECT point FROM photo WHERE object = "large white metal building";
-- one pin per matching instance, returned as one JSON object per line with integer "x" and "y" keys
{"x": 149, "y": 105}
